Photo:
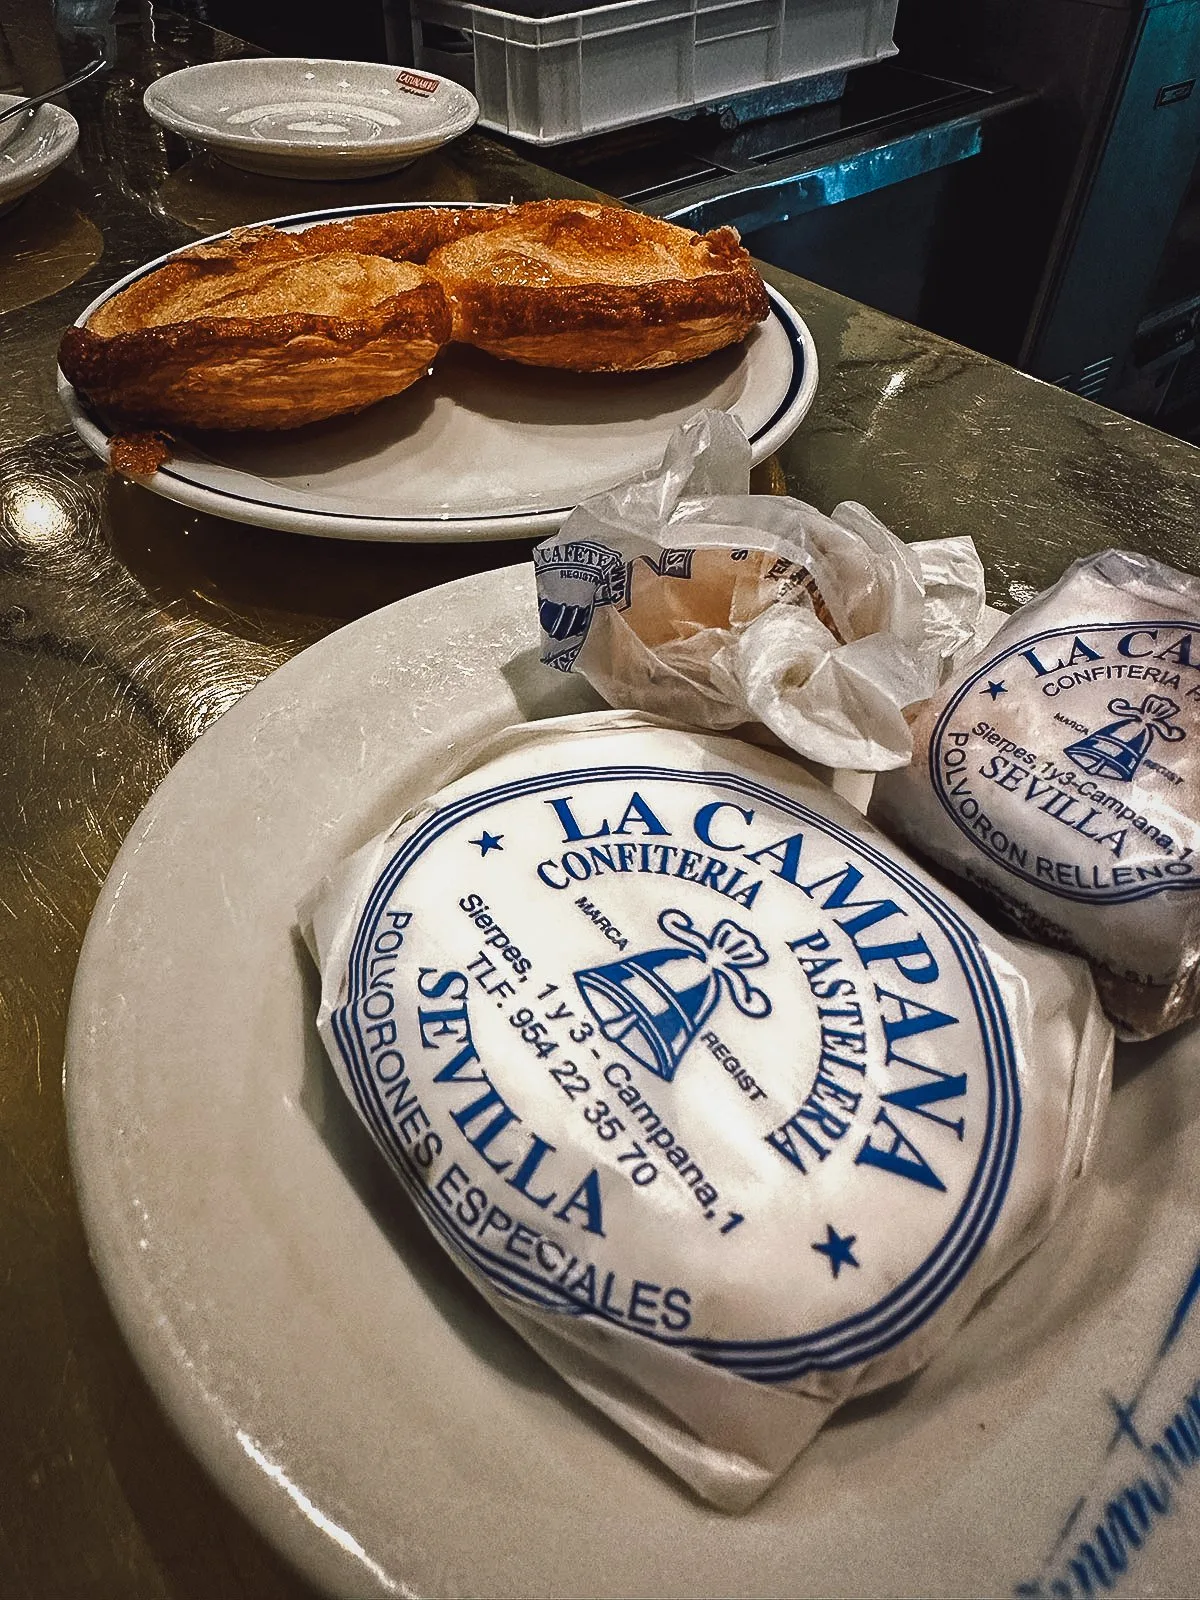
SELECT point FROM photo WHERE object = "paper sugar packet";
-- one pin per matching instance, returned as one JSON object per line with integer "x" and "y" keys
{"x": 728, "y": 1108}
{"x": 1059, "y": 774}
{"x": 683, "y": 595}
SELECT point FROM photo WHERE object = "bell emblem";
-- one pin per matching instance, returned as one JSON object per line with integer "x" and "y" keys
{"x": 1117, "y": 750}
{"x": 654, "y": 1004}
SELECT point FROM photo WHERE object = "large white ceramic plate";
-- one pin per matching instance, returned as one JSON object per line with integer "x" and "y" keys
{"x": 366, "y": 1410}
{"x": 484, "y": 449}
{"x": 31, "y": 153}
{"x": 297, "y": 117}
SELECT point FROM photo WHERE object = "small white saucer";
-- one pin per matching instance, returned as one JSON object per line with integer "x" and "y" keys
{"x": 296, "y": 118}
{"x": 30, "y": 154}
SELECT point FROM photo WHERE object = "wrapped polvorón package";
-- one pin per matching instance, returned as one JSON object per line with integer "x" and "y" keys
{"x": 683, "y": 595}
{"x": 1059, "y": 774}
{"x": 719, "y": 1100}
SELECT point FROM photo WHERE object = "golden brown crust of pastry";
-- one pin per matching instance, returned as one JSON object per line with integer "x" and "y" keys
{"x": 568, "y": 283}
{"x": 409, "y": 235}
{"x": 266, "y": 329}
{"x": 258, "y": 332}
{"x": 138, "y": 455}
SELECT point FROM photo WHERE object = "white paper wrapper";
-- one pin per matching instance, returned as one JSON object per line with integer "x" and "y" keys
{"x": 723, "y": 1104}
{"x": 683, "y": 595}
{"x": 1060, "y": 772}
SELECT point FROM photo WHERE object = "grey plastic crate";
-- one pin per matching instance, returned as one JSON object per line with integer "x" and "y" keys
{"x": 552, "y": 78}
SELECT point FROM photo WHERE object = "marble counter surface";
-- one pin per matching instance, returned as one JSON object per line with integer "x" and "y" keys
{"x": 127, "y": 625}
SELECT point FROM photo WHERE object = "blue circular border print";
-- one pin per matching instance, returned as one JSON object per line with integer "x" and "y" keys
{"x": 988, "y": 673}
{"x": 851, "y": 1341}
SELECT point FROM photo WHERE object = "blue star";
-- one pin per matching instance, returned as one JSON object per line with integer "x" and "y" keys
{"x": 1126, "y": 1428}
{"x": 487, "y": 841}
{"x": 995, "y": 689}
{"x": 837, "y": 1249}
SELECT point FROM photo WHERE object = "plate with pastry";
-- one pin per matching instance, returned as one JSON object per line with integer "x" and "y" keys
{"x": 429, "y": 372}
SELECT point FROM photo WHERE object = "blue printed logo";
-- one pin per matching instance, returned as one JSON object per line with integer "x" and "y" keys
{"x": 572, "y": 580}
{"x": 1117, "y": 750}
{"x": 1093, "y": 819}
{"x": 654, "y": 1004}
{"x": 576, "y": 578}
{"x": 1139, "y": 1482}
{"x": 855, "y": 1105}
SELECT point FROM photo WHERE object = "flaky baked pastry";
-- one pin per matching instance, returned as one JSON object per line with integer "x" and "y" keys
{"x": 266, "y": 329}
{"x": 594, "y": 288}
{"x": 258, "y": 331}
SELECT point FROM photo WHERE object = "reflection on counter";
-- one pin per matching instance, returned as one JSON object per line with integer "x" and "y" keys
{"x": 47, "y": 247}
{"x": 256, "y": 583}
{"x": 207, "y": 194}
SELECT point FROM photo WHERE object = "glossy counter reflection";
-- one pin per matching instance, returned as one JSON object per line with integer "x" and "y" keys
{"x": 127, "y": 625}
{"x": 940, "y": 441}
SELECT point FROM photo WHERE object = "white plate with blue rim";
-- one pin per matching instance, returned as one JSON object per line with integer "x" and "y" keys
{"x": 483, "y": 449}
{"x": 300, "y": 117}
{"x": 368, "y": 1412}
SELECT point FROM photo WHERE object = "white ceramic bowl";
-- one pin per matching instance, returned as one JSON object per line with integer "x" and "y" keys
{"x": 30, "y": 155}
{"x": 297, "y": 118}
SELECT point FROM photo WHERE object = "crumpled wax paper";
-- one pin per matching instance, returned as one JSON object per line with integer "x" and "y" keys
{"x": 684, "y": 595}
